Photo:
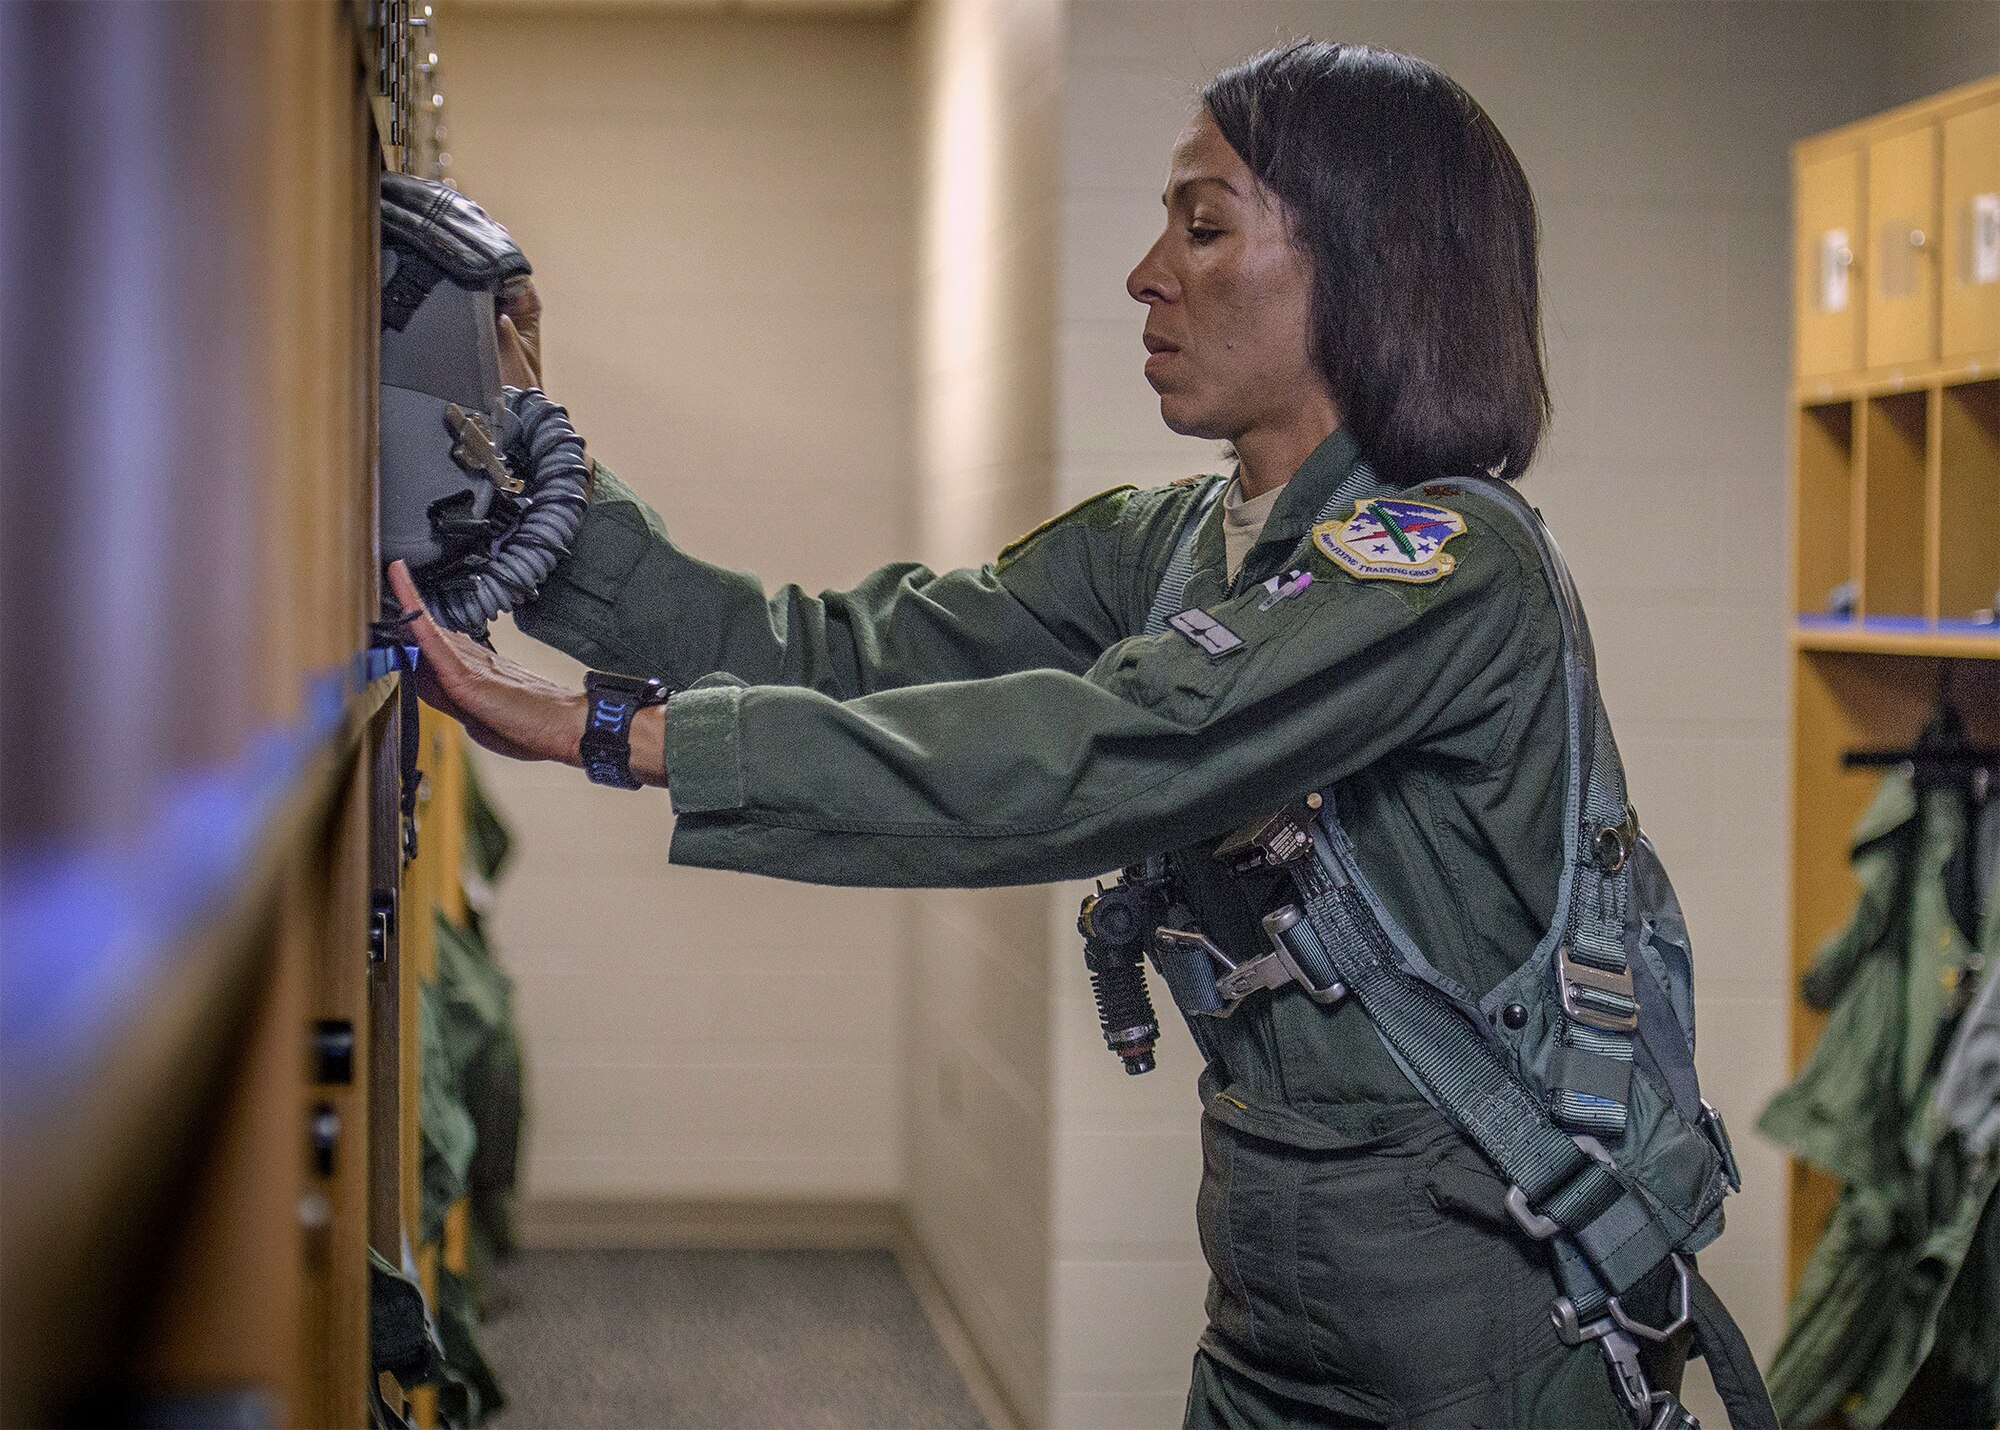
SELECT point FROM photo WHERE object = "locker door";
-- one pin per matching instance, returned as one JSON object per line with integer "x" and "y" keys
{"x": 1826, "y": 286}
{"x": 1970, "y": 267}
{"x": 1902, "y": 248}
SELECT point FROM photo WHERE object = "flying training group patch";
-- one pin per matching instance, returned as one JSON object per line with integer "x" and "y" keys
{"x": 1391, "y": 539}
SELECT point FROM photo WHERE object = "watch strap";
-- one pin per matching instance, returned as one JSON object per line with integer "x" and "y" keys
{"x": 610, "y": 703}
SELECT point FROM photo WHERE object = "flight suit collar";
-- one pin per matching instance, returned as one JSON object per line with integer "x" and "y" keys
{"x": 1332, "y": 471}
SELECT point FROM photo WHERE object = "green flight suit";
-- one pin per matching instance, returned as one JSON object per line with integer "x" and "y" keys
{"x": 1884, "y": 1328}
{"x": 1011, "y": 725}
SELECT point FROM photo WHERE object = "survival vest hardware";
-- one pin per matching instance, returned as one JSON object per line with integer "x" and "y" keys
{"x": 1591, "y": 1111}
{"x": 1117, "y": 924}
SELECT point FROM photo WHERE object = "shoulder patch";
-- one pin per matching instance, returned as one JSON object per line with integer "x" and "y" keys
{"x": 1102, "y": 510}
{"x": 1392, "y": 539}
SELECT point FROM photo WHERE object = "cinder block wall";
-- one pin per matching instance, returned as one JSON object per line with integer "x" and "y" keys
{"x": 716, "y": 209}
{"x": 977, "y": 1078}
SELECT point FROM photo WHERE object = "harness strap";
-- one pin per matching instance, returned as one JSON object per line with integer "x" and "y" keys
{"x": 1558, "y": 1185}
{"x": 1720, "y": 1341}
{"x": 1168, "y": 600}
{"x": 1600, "y": 1011}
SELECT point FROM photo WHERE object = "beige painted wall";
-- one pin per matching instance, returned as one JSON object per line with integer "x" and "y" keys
{"x": 1934, "y": 45}
{"x": 987, "y": 76}
{"x": 717, "y": 213}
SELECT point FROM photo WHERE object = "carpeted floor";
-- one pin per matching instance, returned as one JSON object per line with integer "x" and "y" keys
{"x": 718, "y": 1340}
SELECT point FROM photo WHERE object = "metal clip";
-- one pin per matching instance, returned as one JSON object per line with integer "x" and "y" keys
{"x": 1621, "y": 1355}
{"x": 1234, "y": 981}
{"x": 1628, "y": 1377}
{"x": 1683, "y": 1288}
{"x": 1578, "y": 981}
{"x": 1237, "y": 981}
{"x": 1711, "y": 1124}
{"x": 1670, "y": 1414}
{"x": 1278, "y": 925}
{"x": 473, "y": 449}
{"x": 1614, "y": 843}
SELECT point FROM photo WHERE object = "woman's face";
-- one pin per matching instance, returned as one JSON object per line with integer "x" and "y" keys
{"x": 1228, "y": 297}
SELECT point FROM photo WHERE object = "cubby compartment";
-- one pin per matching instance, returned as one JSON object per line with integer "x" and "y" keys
{"x": 1894, "y": 548}
{"x": 1824, "y": 448}
{"x": 1969, "y": 507}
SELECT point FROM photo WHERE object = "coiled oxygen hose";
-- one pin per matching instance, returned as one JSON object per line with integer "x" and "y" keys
{"x": 537, "y": 524}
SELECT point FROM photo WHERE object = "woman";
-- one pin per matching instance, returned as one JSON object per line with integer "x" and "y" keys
{"x": 1346, "y": 292}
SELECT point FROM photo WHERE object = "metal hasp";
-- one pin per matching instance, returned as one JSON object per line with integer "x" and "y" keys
{"x": 381, "y": 923}
{"x": 1596, "y": 997}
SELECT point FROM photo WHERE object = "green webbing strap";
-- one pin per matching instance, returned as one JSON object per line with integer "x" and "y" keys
{"x": 1169, "y": 599}
{"x": 1593, "y": 973}
{"x": 1464, "y": 1076}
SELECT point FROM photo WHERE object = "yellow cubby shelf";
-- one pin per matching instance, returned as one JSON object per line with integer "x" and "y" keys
{"x": 1858, "y": 639}
{"x": 1895, "y": 458}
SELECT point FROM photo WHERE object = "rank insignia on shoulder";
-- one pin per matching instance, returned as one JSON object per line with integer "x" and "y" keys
{"x": 1209, "y": 636}
{"x": 1392, "y": 539}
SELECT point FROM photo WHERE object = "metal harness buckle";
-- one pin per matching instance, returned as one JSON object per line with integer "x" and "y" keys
{"x": 1614, "y": 1332}
{"x": 1237, "y": 981}
{"x": 1234, "y": 981}
{"x": 1587, "y": 991}
{"x": 1683, "y": 1289}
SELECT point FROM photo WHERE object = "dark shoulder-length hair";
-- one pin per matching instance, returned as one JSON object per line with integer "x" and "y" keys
{"x": 1421, "y": 229}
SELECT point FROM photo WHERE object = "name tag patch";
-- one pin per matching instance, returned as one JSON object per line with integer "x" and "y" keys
{"x": 1392, "y": 539}
{"x": 1212, "y": 638}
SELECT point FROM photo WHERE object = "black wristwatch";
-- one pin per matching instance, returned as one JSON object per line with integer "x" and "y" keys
{"x": 612, "y": 701}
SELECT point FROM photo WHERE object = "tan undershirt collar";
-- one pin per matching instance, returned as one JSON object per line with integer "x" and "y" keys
{"x": 1243, "y": 521}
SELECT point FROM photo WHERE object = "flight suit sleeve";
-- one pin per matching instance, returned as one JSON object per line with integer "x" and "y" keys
{"x": 1041, "y": 775}
{"x": 628, "y": 599}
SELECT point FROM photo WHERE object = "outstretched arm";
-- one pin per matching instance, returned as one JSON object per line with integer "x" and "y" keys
{"x": 628, "y": 599}
{"x": 1047, "y": 774}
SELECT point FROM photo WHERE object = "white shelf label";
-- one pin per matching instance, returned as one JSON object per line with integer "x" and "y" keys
{"x": 1984, "y": 250}
{"x": 1834, "y": 259}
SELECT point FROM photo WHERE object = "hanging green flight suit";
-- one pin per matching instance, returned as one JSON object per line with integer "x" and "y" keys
{"x": 1009, "y": 725}
{"x": 1915, "y": 1209}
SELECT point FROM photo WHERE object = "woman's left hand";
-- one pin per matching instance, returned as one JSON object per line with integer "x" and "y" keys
{"x": 503, "y": 706}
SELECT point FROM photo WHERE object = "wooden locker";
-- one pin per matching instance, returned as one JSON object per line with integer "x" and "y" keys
{"x": 1827, "y": 282}
{"x": 1969, "y": 318}
{"x": 1901, "y": 256}
{"x": 1895, "y": 481}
